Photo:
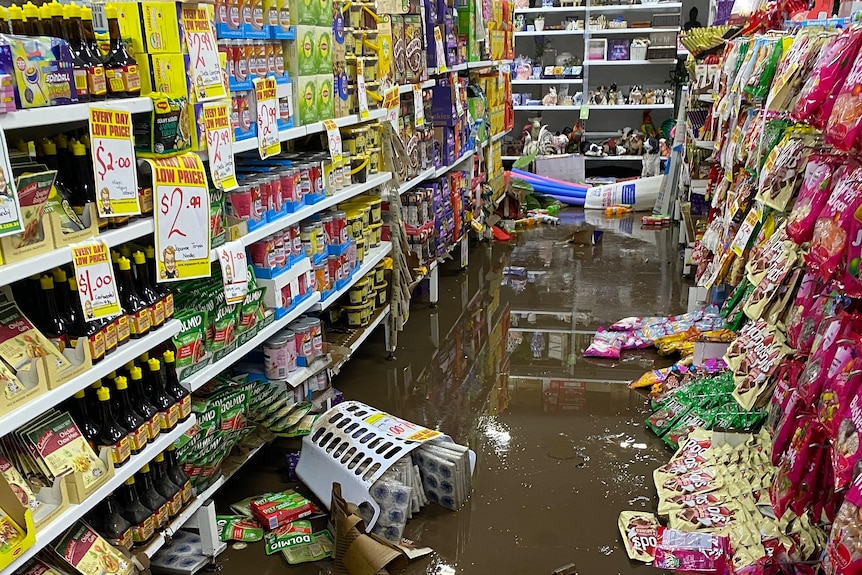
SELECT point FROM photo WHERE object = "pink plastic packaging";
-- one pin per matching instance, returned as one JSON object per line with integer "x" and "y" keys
{"x": 829, "y": 72}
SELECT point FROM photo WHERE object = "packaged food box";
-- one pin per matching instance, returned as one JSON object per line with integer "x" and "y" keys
{"x": 41, "y": 69}
{"x": 281, "y": 508}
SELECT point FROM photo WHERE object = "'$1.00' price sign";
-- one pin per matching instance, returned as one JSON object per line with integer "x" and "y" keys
{"x": 182, "y": 218}
{"x": 220, "y": 145}
{"x": 268, "y": 143}
{"x": 116, "y": 176}
{"x": 234, "y": 271}
{"x": 97, "y": 287}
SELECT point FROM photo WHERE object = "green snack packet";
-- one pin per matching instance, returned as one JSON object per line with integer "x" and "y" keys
{"x": 664, "y": 419}
{"x": 249, "y": 314}
{"x": 320, "y": 547}
{"x": 286, "y": 536}
{"x": 190, "y": 341}
{"x": 224, "y": 327}
{"x": 688, "y": 423}
{"x": 738, "y": 295}
{"x": 238, "y": 528}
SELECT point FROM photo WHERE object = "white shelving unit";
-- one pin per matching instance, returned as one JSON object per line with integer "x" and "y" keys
{"x": 74, "y": 512}
{"x": 55, "y": 115}
{"x": 613, "y": 31}
{"x": 547, "y": 81}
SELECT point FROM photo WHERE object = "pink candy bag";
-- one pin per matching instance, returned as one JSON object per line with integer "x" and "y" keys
{"x": 832, "y": 228}
{"x": 832, "y": 67}
{"x": 843, "y": 555}
{"x": 812, "y": 196}
{"x": 845, "y": 120}
{"x": 692, "y": 552}
{"x": 606, "y": 344}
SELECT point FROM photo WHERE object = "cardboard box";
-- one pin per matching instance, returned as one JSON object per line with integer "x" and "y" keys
{"x": 325, "y": 97}
{"x": 323, "y": 51}
{"x": 306, "y": 100}
{"x": 153, "y": 27}
{"x": 22, "y": 517}
{"x": 305, "y": 12}
{"x": 42, "y": 73}
{"x": 164, "y": 73}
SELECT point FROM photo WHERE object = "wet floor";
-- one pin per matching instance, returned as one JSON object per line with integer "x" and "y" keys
{"x": 498, "y": 365}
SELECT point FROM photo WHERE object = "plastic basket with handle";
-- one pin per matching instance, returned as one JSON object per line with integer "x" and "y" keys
{"x": 354, "y": 444}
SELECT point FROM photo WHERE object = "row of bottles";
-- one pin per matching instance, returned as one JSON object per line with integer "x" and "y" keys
{"x": 144, "y": 504}
{"x": 74, "y": 188}
{"x": 52, "y": 303}
{"x": 130, "y": 408}
{"x": 98, "y": 74}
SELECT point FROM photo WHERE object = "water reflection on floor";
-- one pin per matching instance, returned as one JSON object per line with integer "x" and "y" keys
{"x": 498, "y": 365}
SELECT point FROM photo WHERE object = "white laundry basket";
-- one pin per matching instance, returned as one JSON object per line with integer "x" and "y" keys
{"x": 354, "y": 444}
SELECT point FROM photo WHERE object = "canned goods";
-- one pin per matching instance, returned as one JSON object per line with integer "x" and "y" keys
{"x": 355, "y": 140}
{"x": 338, "y": 173}
{"x": 288, "y": 191}
{"x": 321, "y": 277}
{"x": 354, "y": 315}
{"x": 279, "y": 354}
{"x": 303, "y": 340}
{"x": 380, "y": 290}
{"x": 303, "y": 284}
{"x": 276, "y": 199}
{"x": 304, "y": 181}
{"x": 326, "y": 221}
{"x": 240, "y": 60}
{"x": 375, "y": 210}
{"x": 360, "y": 251}
{"x": 354, "y": 224}
{"x": 269, "y": 49}
{"x": 315, "y": 173}
{"x": 280, "y": 250}
{"x": 379, "y": 271}
{"x": 375, "y": 235}
{"x": 286, "y": 297}
{"x": 335, "y": 272}
{"x": 373, "y": 137}
{"x": 245, "y": 203}
{"x": 263, "y": 253}
{"x": 338, "y": 229}
{"x": 296, "y": 248}
{"x": 358, "y": 294}
{"x": 348, "y": 260}
{"x": 308, "y": 235}
{"x": 320, "y": 242}
{"x": 322, "y": 380}
{"x": 316, "y": 329}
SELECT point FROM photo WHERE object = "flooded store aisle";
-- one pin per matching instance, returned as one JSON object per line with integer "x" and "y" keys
{"x": 498, "y": 365}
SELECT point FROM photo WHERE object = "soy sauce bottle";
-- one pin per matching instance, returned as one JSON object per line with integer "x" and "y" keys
{"x": 134, "y": 305}
{"x": 152, "y": 499}
{"x": 51, "y": 324}
{"x": 113, "y": 434}
{"x": 160, "y": 398}
{"x": 166, "y": 488}
{"x": 145, "y": 288}
{"x": 172, "y": 385}
{"x": 162, "y": 289}
{"x": 142, "y": 404}
{"x": 121, "y": 70}
{"x": 134, "y": 512}
{"x": 94, "y": 331}
{"x": 129, "y": 418}
{"x": 115, "y": 528}
{"x": 176, "y": 473}
{"x": 88, "y": 424}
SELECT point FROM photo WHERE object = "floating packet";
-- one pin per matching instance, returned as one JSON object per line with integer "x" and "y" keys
{"x": 238, "y": 528}
{"x": 165, "y": 131}
{"x": 605, "y": 344}
{"x": 320, "y": 547}
{"x": 638, "y": 530}
{"x": 853, "y": 263}
{"x": 291, "y": 534}
{"x": 243, "y": 507}
{"x": 845, "y": 452}
{"x": 691, "y": 552}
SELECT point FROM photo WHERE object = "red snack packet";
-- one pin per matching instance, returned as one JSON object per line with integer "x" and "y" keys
{"x": 846, "y": 453}
{"x": 813, "y": 195}
{"x": 692, "y": 552}
{"x": 829, "y": 73}
{"x": 841, "y": 383}
{"x": 799, "y": 335}
{"x": 832, "y": 227}
{"x": 843, "y": 555}
{"x": 845, "y": 119}
{"x": 853, "y": 264}
{"x": 786, "y": 427}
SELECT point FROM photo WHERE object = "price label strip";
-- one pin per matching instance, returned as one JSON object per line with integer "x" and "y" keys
{"x": 205, "y": 69}
{"x": 333, "y": 138}
{"x": 392, "y": 103}
{"x": 234, "y": 271}
{"x": 97, "y": 286}
{"x": 220, "y": 145}
{"x": 182, "y": 218}
{"x": 361, "y": 93}
{"x": 397, "y": 427}
{"x": 440, "y": 50}
{"x": 418, "y": 106}
{"x": 114, "y": 162}
{"x": 268, "y": 143}
{"x": 11, "y": 221}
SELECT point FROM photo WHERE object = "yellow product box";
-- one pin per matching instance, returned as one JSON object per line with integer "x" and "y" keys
{"x": 305, "y": 12}
{"x": 306, "y": 99}
{"x": 325, "y": 97}
{"x": 299, "y": 56}
{"x": 153, "y": 27}
{"x": 497, "y": 39}
{"x": 164, "y": 73}
{"x": 17, "y": 523}
{"x": 323, "y": 50}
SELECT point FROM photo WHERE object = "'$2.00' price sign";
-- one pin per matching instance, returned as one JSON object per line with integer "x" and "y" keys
{"x": 114, "y": 168}
{"x": 182, "y": 218}
{"x": 97, "y": 287}
{"x": 268, "y": 143}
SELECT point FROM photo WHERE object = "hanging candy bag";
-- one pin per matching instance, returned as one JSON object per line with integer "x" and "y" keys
{"x": 832, "y": 67}
{"x": 832, "y": 227}
{"x": 813, "y": 195}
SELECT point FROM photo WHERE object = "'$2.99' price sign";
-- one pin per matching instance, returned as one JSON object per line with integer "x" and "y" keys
{"x": 114, "y": 167}
{"x": 268, "y": 142}
{"x": 220, "y": 145}
{"x": 97, "y": 287}
{"x": 182, "y": 218}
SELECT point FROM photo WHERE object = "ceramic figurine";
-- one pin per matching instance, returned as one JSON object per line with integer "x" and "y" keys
{"x": 636, "y": 95}
{"x": 550, "y": 99}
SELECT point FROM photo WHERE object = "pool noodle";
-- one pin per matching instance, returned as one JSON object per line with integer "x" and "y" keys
{"x": 577, "y": 202}
{"x": 554, "y": 180}
{"x": 568, "y": 190}
{"x": 574, "y": 194}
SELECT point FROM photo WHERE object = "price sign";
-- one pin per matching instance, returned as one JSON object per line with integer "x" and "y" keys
{"x": 399, "y": 428}
{"x": 361, "y": 94}
{"x": 392, "y": 103}
{"x": 114, "y": 166}
{"x": 333, "y": 137}
{"x": 440, "y": 50}
{"x": 457, "y": 85}
{"x": 234, "y": 271}
{"x": 418, "y": 106}
{"x": 11, "y": 221}
{"x": 268, "y": 143}
{"x": 220, "y": 145}
{"x": 746, "y": 229}
{"x": 182, "y": 218}
{"x": 204, "y": 70}
{"x": 585, "y": 112}
{"x": 97, "y": 287}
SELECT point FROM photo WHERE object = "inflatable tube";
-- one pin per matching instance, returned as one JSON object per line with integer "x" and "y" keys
{"x": 537, "y": 183}
{"x": 577, "y": 202}
{"x": 556, "y": 181}
{"x": 560, "y": 192}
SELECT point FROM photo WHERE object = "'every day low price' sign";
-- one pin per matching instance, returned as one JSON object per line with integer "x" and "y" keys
{"x": 114, "y": 166}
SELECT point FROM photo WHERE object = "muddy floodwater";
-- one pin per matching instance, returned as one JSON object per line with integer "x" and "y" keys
{"x": 498, "y": 365}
